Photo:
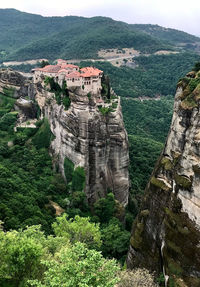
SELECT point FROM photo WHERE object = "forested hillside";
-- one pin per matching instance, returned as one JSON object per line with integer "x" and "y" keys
{"x": 154, "y": 75}
{"x": 27, "y": 36}
{"x": 31, "y": 190}
{"x": 167, "y": 34}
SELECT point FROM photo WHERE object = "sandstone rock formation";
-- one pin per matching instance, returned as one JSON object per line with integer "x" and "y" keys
{"x": 166, "y": 234}
{"x": 93, "y": 139}
{"x": 12, "y": 82}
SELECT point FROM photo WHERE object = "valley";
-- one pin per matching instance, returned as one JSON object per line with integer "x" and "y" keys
{"x": 86, "y": 105}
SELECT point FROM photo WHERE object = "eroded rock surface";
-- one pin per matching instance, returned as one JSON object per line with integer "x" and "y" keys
{"x": 14, "y": 84}
{"x": 91, "y": 140}
{"x": 166, "y": 234}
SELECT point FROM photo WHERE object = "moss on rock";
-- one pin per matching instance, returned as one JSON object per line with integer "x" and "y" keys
{"x": 183, "y": 181}
{"x": 160, "y": 183}
{"x": 144, "y": 213}
{"x": 189, "y": 103}
{"x": 136, "y": 239}
{"x": 166, "y": 163}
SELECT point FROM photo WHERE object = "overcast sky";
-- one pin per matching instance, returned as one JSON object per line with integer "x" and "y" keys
{"x": 178, "y": 14}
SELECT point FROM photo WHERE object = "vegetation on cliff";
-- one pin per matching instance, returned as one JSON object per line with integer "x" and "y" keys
{"x": 155, "y": 74}
{"x": 30, "y": 187}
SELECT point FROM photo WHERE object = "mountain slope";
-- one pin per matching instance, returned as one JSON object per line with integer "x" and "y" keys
{"x": 25, "y": 36}
{"x": 166, "y": 34}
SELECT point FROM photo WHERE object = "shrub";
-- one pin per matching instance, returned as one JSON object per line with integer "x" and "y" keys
{"x": 105, "y": 110}
{"x": 66, "y": 102}
{"x": 137, "y": 278}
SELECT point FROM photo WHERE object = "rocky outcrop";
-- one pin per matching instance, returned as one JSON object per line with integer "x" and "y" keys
{"x": 166, "y": 234}
{"x": 26, "y": 108}
{"x": 91, "y": 139}
{"x": 14, "y": 84}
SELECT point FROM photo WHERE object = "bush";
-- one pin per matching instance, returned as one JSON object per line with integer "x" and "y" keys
{"x": 137, "y": 278}
{"x": 66, "y": 102}
{"x": 105, "y": 110}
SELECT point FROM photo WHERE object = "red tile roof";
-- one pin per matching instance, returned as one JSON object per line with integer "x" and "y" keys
{"x": 63, "y": 67}
{"x": 62, "y": 71}
{"x": 69, "y": 66}
{"x": 74, "y": 74}
{"x": 90, "y": 72}
{"x": 51, "y": 69}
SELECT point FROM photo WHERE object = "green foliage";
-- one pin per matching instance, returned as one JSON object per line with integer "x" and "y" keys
{"x": 78, "y": 266}
{"x": 104, "y": 208}
{"x": 26, "y": 175}
{"x": 8, "y": 120}
{"x": 21, "y": 253}
{"x": 196, "y": 67}
{"x": 28, "y": 36}
{"x": 161, "y": 280}
{"x": 193, "y": 84}
{"x": 79, "y": 229}
{"x": 66, "y": 102}
{"x": 155, "y": 74}
{"x": 115, "y": 240}
{"x": 89, "y": 96}
{"x": 29, "y": 258}
{"x": 75, "y": 177}
{"x": 69, "y": 169}
{"x": 78, "y": 179}
{"x": 43, "y": 137}
{"x": 44, "y": 63}
{"x": 143, "y": 155}
{"x": 105, "y": 110}
{"x": 61, "y": 94}
{"x": 183, "y": 181}
{"x": 9, "y": 92}
{"x": 6, "y": 104}
{"x": 105, "y": 83}
{"x": 26, "y": 68}
{"x": 171, "y": 35}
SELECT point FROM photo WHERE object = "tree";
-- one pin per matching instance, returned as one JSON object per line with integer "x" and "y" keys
{"x": 21, "y": 252}
{"x": 115, "y": 239}
{"x": 78, "y": 266}
{"x": 44, "y": 63}
{"x": 79, "y": 229}
{"x": 104, "y": 208}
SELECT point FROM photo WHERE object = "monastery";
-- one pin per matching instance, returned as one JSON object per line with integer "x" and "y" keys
{"x": 88, "y": 79}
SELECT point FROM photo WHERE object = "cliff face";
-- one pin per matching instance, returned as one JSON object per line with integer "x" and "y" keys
{"x": 89, "y": 136}
{"x": 12, "y": 82}
{"x": 166, "y": 234}
{"x": 98, "y": 142}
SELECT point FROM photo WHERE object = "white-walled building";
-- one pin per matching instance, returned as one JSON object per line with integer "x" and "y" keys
{"x": 88, "y": 78}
